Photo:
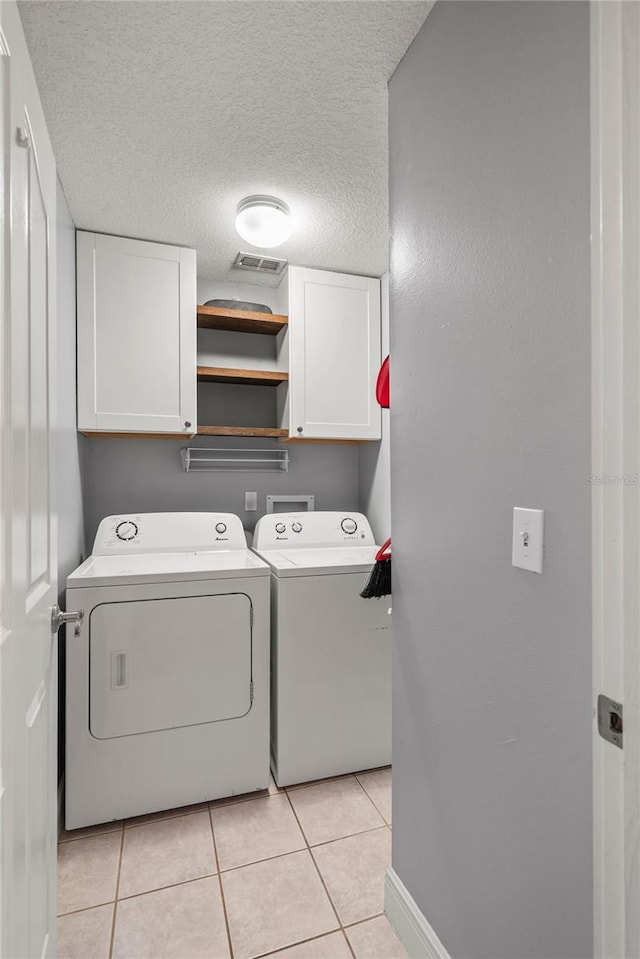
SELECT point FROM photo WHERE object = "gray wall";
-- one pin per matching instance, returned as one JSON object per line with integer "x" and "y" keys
{"x": 375, "y": 458}
{"x": 490, "y": 339}
{"x": 145, "y": 475}
{"x": 69, "y": 443}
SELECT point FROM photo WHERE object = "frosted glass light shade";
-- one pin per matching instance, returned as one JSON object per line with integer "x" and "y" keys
{"x": 263, "y": 221}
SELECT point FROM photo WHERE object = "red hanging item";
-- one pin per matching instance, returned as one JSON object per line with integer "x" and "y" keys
{"x": 384, "y": 552}
{"x": 379, "y": 582}
{"x": 382, "y": 385}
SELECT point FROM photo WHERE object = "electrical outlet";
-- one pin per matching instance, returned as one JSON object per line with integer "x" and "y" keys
{"x": 250, "y": 502}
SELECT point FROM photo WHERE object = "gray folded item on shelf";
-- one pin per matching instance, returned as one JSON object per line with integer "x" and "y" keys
{"x": 239, "y": 305}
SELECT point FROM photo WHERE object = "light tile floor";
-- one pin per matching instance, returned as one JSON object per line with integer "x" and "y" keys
{"x": 294, "y": 873}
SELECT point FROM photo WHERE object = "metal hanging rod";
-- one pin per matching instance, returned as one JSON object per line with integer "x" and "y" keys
{"x": 196, "y": 459}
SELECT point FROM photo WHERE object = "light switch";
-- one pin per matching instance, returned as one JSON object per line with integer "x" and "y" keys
{"x": 528, "y": 529}
{"x": 250, "y": 502}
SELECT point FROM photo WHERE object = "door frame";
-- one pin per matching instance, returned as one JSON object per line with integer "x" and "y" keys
{"x": 615, "y": 479}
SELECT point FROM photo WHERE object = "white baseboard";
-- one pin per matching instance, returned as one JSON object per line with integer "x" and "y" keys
{"x": 415, "y": 933}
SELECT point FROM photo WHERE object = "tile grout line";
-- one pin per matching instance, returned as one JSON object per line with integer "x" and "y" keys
{"x": 115, "y": 902}
{"x": 145, "y": 892}
{"x": 224, "y": 801}
{"x": 74, "y": 912}
{"x": 281, "y": 855}
{"x": 361, "y": 922}
{"x": 302, "y": 942}
{"x": 224, "y": 902}
{"x": 93, "y": 835}
{"x": 346, "y": 939}
{"x": 317, "y": 782}
{"x": 161, "y": 818}
{"x": 320, "y": 876}
{"x": 342, "y": 928}
{"x": 372, "y": 801}
{"x": 361, "y": 832}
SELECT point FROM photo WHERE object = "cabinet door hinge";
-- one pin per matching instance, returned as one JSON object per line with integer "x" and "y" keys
{"x": 610, "y": 720}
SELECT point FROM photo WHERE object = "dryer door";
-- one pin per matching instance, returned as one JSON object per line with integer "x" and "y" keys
{"x": 164, "y": 663}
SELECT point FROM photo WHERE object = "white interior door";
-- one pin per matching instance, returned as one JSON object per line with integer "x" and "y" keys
{"x": 28, "y": 663}
{"x": 615, "y": 66}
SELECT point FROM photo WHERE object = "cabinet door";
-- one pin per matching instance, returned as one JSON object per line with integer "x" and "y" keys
{"x": 334, "y": 329}
{"x": 136, "y": 336}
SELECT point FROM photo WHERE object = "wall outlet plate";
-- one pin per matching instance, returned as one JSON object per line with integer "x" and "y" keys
{"x": 250, "y": 502}
{"x": 290, "y": 502}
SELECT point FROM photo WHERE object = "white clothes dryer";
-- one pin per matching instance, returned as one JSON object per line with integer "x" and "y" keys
{"x": 167, "y": 677}
{"x": 330, "y": 649}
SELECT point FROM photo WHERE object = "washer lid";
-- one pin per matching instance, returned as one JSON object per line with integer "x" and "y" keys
{"x": 320, "y": 562}
{"x": 118, "y": 570}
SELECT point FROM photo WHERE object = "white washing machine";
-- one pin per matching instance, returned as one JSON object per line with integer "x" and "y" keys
{"x": 330, "y": 649}
{"x": 167, "y": 698}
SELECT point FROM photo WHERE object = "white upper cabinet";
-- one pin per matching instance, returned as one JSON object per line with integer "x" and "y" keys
{"x": 334, "y": 355}
{"x": 136, "y": 336}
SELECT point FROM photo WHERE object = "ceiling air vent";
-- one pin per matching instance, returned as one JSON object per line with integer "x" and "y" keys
{"x": 259, "y": 264}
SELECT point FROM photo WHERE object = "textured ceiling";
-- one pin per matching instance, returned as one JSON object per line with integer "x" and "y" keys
{"x": 163, "y": 115}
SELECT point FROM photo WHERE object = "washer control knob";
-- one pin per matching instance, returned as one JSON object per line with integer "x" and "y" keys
{"x": 221, "y": 527}
{"x": 349, "y": 525}
{"x": 296, "y": 527}
{"x": 280, "y": 527}
{"x": 126, "y": 530}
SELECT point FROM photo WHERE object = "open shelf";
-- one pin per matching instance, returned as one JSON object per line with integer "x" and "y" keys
{"x": 240, "y": 321}
{"x": 241, "y": 431}
{"x": 219, "y": 374}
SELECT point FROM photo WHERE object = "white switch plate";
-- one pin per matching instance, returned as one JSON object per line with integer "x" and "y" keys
{"x": 528, "y": 542}
{"x": 250, "y": 502}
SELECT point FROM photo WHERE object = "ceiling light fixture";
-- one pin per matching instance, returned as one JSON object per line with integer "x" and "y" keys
{"x": 263, "y": 221}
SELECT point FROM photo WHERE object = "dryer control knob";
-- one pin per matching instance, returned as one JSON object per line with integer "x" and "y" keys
{"x": 221, "y": 527}
{"x": 349, "y": 525}
{"x": 126, "y": 530}
{"x": 296, "y": 527}
{"x": 280, "y": 527}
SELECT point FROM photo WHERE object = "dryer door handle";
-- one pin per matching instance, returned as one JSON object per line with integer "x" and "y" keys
{"x": 59, "y": 618}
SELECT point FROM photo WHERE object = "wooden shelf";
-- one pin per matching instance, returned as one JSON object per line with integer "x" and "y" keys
{"x": 139, "y": 436}
{"x": 304, "y": 439}
{"x": 241, "y": 431}
{"x": 240, "y": 321}
{"x": 218, "y": 374}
